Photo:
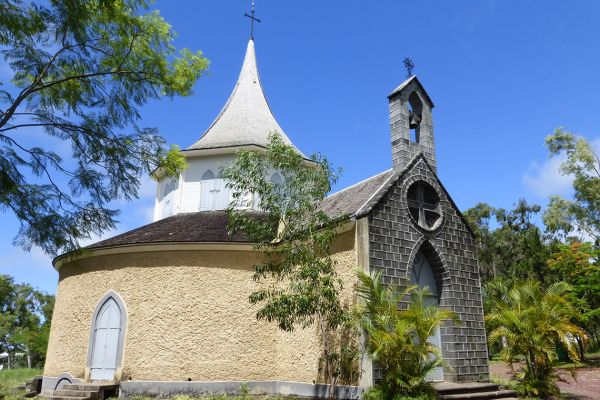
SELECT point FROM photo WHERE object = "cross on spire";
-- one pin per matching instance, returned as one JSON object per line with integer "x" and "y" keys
{"x": 408, "y": 63}
{"x": 252, "y": 19}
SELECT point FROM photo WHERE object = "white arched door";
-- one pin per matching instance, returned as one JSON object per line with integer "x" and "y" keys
{"x": 422, "y": 275}
{"x": 106, "y": 341}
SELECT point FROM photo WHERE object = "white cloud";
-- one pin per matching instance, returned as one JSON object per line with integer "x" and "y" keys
{"x": 147, "y": 188}
{"x": 147, "y": 213}
{"x": 596, "y": 144}
{"x": 544, "y": 179}
{"x": 18, "y": 256}
{"x": 33, "y": 267}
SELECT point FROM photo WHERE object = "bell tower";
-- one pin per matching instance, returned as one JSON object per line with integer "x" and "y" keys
{"x": 411, "y": 124}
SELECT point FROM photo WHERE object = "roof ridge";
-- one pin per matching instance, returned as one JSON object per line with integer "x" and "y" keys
{"x": 376, "y": 193}
{"x": 358, "y": 183}
{"x": 385, "y": 186}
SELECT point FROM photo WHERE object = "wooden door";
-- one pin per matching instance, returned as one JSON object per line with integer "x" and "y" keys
{"x": 422, "y": 275}
{"x": 106, "y": 342}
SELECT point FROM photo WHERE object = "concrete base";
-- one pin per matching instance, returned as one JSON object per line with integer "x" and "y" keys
{"x": 256, "y": 388}
{"x": 52, "y": 383}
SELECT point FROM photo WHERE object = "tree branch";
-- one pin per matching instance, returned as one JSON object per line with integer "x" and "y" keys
{"x": 6, "y": 115}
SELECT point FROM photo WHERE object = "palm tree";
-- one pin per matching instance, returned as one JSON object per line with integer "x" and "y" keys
{"x": 532, "y": 322}
{"x": 397, "y": 339}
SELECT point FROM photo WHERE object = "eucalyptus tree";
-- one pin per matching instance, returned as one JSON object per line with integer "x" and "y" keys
{"x": 301, "y": 285}
{"x": 78, "y": 73}
{"x": 581, "y": 214}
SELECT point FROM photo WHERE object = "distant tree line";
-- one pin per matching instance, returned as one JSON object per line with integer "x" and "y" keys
{"x": 25, "y": 316}
{"x": 540, "y": 270}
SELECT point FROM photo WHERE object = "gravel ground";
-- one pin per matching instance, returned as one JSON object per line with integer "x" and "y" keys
{"x": 587, "y": 386}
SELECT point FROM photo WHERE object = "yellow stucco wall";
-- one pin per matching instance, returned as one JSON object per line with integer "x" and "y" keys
{"x": 188, "y": 317}
{"x": 299, "y": 351}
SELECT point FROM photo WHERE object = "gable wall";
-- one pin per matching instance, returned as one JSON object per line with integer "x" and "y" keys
{"x": 394, "y": 241}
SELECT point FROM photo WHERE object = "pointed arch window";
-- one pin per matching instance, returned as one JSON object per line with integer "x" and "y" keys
{"x": 422, "y": 275}
{"x": 208, "y": 175}
{"x": 168, "y": 196}
{"x": 213, "y": 193}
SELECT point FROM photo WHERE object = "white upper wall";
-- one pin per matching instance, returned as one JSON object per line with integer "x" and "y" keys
{"x": 199, "y": 188}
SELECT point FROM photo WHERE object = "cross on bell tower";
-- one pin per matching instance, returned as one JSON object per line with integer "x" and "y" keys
{"x": 409, "y": 65}
{"x": 252, "y": 19}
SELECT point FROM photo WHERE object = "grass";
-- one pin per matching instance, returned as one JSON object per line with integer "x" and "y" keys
{"x": 11, "y": 378}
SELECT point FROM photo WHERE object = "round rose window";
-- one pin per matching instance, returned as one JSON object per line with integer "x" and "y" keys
{"x": 424, "y": 205}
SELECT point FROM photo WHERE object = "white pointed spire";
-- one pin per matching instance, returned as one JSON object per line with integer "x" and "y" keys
{"x": 246, "y": 119}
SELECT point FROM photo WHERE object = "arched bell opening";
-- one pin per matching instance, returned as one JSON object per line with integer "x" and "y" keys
{"x": 415, "y": 116}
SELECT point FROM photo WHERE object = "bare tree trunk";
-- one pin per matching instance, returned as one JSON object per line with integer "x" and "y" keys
{"x": 327, "y": 356}
{"x": 580, "y": 348}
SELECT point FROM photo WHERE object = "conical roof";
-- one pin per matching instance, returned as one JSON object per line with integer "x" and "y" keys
{"x": 246, "y": 119}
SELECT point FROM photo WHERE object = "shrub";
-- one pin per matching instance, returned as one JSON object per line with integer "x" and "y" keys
{"x": 397, "y": 339}
{"x": 531, "y": 321}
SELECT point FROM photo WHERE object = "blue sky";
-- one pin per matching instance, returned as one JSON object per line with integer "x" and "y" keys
{"x": 502, "y": 74}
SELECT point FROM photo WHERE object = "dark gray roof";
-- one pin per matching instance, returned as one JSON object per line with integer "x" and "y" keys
{"x": 349, "y": 201}
{"x": 211, "y": 226}
{"x": 406, "y": 83}
{"x": 207, "y": 226}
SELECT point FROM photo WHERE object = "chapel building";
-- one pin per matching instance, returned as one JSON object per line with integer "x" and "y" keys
{"x": 163, "y": 309}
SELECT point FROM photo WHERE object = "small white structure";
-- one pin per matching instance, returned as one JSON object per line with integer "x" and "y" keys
{"x": 3, "y": 356}
{"x": 244, "y": 123}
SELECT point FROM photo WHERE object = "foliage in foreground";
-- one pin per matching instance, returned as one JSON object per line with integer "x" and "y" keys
{"x": 81, "y": 72}
{"x": 397, "y": 339}
{"x": 300, "y": 283}
{"x": 25, "y": 315}
{"x": 532, "y": 321}
{"x": 377, "y": 393}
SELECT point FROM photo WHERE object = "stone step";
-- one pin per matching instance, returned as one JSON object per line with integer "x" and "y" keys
{"x": 90, "y": 386}
{"x": 471, "y": 387}
{"x": 93, "y": 391}
{"x": 76, "y": 393}
{"x": 53, "y": 397}
{"x": 499, "y": 394}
